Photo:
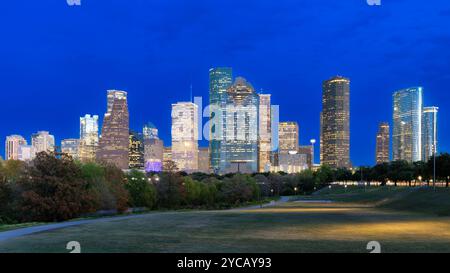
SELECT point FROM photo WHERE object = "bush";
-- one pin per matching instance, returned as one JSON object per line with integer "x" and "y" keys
{"x": 238, "y": 189}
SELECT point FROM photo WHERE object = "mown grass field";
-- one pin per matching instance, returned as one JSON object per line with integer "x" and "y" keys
{"x": 343, "y": 226}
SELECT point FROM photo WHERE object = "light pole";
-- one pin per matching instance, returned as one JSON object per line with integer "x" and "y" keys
{"x": 313, "y": 141}
{"x": 434, "y": 148}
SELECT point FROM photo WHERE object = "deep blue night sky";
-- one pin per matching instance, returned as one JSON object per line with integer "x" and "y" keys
{"x": 57, "y": 61}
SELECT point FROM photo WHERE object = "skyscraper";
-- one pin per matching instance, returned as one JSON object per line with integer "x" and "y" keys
{"x": 265, "y": 132}
{"x": 407, "y": 122}
{"x": 288, "y": 136}
{"x": 150, "y": 131}
{"x": 89, "y": 139}
{"x": 220, "y": 79}
{"x": 429, "y": 132}
{"x": 70, "y": 147}
{"x": 42, "y": 141}
{"x": 114, "y": 141}
{"x": 12, "y": 146}
{"x": 383, "y": 143}
{"x": 335, "y": 123}
{"x": 203, "y": 160}
{"x": 185, "y": 136}
{"x": 239, "y": 150}
{"x": 153, "y": 149}
{"x": 136, "y": 151}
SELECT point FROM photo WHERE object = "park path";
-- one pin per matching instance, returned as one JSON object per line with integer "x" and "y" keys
{"x": 283, "y": 199}
{"x": 11, "y": 234}
{"x": 6, "y": 235}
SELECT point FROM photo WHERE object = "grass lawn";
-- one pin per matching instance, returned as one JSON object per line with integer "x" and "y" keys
{"x": 291, "y": 227}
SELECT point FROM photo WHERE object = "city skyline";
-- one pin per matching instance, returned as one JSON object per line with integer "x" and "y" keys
{"x": 292, "y": 78}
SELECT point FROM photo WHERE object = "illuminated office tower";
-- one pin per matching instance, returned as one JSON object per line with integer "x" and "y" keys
{"x": 136, "y": 151}
{"x": 42, "y": 141}
{"x": 114, "y": 141}
{"x": 167, "y": 157}
{"x": 335, "y": 123}
{"x": 12, "y": 146}
{"x": 383, "y": 143}
{"x": 239, "y": 150}
{"x": 114, "y": 95}
{"x": 153, "y": 149}
{"x": 70, "y": 147}
{"x": 26, "y": 153}
{"x": 150, "y": 131}
{"x": 407, "y": 122}
{"x": 89, "y": 139}
{"x": 429, "y": 132}
{"x": 203, "y": 160}
{"x": 220, "y": 79}
{"x": 308, "y": 152}
{"x": 288, "y": 137}
{"x": 185, "y": 136}
{"x": 265, "y": 132}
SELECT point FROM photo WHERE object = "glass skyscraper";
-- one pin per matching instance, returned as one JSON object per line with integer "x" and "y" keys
{"x": 239, "y": 150}
{"x": 407, "y": 124}
{"x": 220, "y": 79}
{"x": 429, "y": 132}
{"x": 265, "y": 132}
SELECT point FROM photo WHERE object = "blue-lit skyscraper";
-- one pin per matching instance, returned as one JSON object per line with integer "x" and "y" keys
{"x": 220, "y": 79}
{"x": 429, "y": 132}
{"x": 407, "y": 122}
{"x": 239, "y": 149}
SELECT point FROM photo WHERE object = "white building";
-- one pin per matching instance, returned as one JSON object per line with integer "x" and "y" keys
{"x": 185, "y": 136}
{"x": 42, "y": 141}
{"x": 70, "y": 147}
{"x": 89, "y": 138}
{"x": 26, "y": 153}
{"x": 12, "y": 146}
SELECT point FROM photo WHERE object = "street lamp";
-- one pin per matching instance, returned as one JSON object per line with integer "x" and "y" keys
{"x": 295, "y": 189}
{"x": 313, "y": 141}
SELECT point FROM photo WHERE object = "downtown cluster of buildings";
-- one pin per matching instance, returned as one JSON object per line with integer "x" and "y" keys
{"x": 414, "y": 136}
{"x": 244, "y": 133}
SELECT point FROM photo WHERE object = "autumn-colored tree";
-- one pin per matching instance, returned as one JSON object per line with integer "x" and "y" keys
{"x": 53, "y": 189}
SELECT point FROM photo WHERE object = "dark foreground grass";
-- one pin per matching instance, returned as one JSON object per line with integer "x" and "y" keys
{"x": 292, "y": 227}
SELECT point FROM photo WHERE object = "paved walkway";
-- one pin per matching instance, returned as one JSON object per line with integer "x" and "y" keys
{"x": 282, "y": 200}
{"x": 6, "y": 235}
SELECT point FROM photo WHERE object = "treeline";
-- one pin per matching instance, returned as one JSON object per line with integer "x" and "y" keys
{"x": 398, "y": 171}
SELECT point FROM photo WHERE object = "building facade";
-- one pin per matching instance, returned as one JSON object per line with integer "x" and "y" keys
{"x": 383, "y": 143}
{"x": 335, "y": 123}
{"x": 70, "y": 147}
{"x": 89, "y": 139}
{"x": 26, "y": 153}
{"x": 204, "y": 165}
{"x": 220, "y": 79}
{"x": 239, "y": 150}
{"x": 265, "y": 132}
{"x": 288, "y": 136}
{"x": 136, "y": 151}
{"x": 407, "y": 124}
{"x": 12, "y": 146}
{"x": 42, "y": 141}
{"x": 153, "y": 149}
{"x": 429, "y": 132}
{"x": 185, "y": 136}
{"x": 114, "y": 141}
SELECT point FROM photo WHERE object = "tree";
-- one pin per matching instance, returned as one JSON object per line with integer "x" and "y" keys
{"x": 238, "y": 189}
{"x": 442, "y": 167}
{"x": 325, "y": 175}
{"x": 170, "y": 190}
{"x": 53, "y": 190}
{"x": 142, "y": 193}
